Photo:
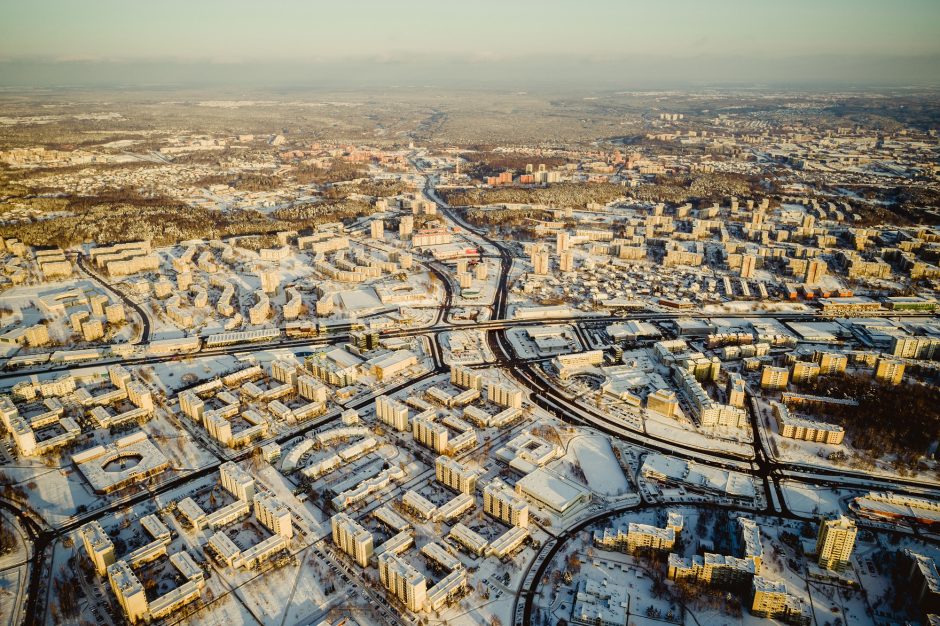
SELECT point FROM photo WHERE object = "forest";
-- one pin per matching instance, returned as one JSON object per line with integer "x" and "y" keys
{"x": 889, "y": 419}
{"x": 124, "y": 215}
{"x": 560, "y": 195}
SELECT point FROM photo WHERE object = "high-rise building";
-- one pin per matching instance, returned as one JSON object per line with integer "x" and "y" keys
{"x": 736, "y": 390}
{"x": 429, "y": 433}
{"x": 378, "y": 229}
{"x": 237, "y": 481}
{"x": 804, "y": 371}
{"x": 92, "y": 329}
{"x": 835, "y": 542}
{"x": 815, "y": 270}
{"x": 562, "y": 241}
{"x": 119, "y": 376}
{"x": 311, "y": 389}
{"x": 98, "y": 545}
{"x": 114, "y": 313}
{"x": 924, "y": 578}
{"x": 456, "y": 475}
{"x": 271, "y": 512}
{"x": 504, "y": 395}
{"x": 770, "y": 599}
{"x": 139, "y": 395}
{"x": 748, "y": 263}
{"x": 539, "y": 258}
{"x": 465, "y": 377}
{"x": 269, "y": 280}
{"x": 566, "y": 261}
{"x": 889, "y": 371}
{"x": 406, "y": 226}
{"x": 774, "y": 377}
{"x": 352, "y": 538}
{"x": 129, "y": 591}
{"x": 502, "y": 503}
{"x": 913, "y": 347}
{"x": 365, "y": 340}
{"x": 285, "y": 370}
{"x": 392, "y": 412}
{"x": 403, "y": 581}
{"x": 830, "y": 362}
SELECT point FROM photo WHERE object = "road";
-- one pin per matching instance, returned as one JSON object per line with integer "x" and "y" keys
{"x": 527, "y": 373}
{"x": 145, "y": 330}
{"x": 546, "y": 395}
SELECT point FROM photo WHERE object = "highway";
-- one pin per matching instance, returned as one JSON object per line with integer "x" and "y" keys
{"x": 543, "y": 392}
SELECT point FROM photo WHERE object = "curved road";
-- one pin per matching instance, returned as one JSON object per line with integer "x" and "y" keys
{"x": 144, "y": 318}
{"x": 543, "y": 393}
{"x": 546, "y": 395}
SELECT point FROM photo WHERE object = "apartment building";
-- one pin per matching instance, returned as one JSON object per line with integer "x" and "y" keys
{"x": 457, "y": 476}
{"x": 834, "y": 542}
{"x": 406, "y": 583}
{"x": 352, "y": 538}
{"x": 774, "y": 378}
{"x": 500, "y": 501}
{"x": 271, "y": 512}
{"x": 889, "y": 371}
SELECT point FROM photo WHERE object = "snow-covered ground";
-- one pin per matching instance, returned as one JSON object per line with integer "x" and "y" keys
{"x": 596, "y": 459}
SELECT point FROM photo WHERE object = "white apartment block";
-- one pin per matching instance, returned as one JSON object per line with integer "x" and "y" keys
{"x": 311, "y": 389}
{"x": 237, "y": 481}
{"x": 352, "y": 538}
{"x": 285, "y": 370}
{"x": 98, "y": 546}
{"x": 271, "y": 512}
{"x": 500, "y": 501}
{"x": 465, "y": 377}
{"x": 504, "y": 395}
{"x": 456, "y": 475}
{"x": 392, "y": 412}
{"x": 429, "y": 433}
{"x": 406, "y": 583}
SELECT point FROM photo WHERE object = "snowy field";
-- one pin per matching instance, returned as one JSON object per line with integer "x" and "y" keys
{"x": 806, "y": 500}
{"x": 600, "y": 467}
{"x": 667, "y": 428}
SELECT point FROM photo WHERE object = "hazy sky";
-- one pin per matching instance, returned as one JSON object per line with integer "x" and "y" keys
{"x": 426, "y": 33}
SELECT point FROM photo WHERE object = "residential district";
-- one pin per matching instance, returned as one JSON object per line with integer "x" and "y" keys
{"x": 413, "y": 381}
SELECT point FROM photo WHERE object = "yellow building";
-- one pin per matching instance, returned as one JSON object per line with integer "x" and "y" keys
{"x": 889, "y": 371}
{"x": 835, "y": 542}
{"x": 804, "y": 371}
{"x": 352, "y": 538}
{"x": 774, "y": 377}
{"x": 99, "y": 546}
{"x": 664, "y": 402}
{"x": 831, "y": 362}
{"x": 805, "y": 429}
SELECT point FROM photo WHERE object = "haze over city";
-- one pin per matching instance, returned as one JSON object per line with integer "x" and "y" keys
{"x": 548, "y": 44}
{"x": 488, "y": 314}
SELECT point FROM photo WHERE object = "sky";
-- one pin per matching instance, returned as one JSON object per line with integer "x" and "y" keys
{"x": 600, "y": 41}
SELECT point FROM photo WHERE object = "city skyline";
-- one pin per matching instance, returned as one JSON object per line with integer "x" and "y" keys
{"x": 410, "y": 313}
